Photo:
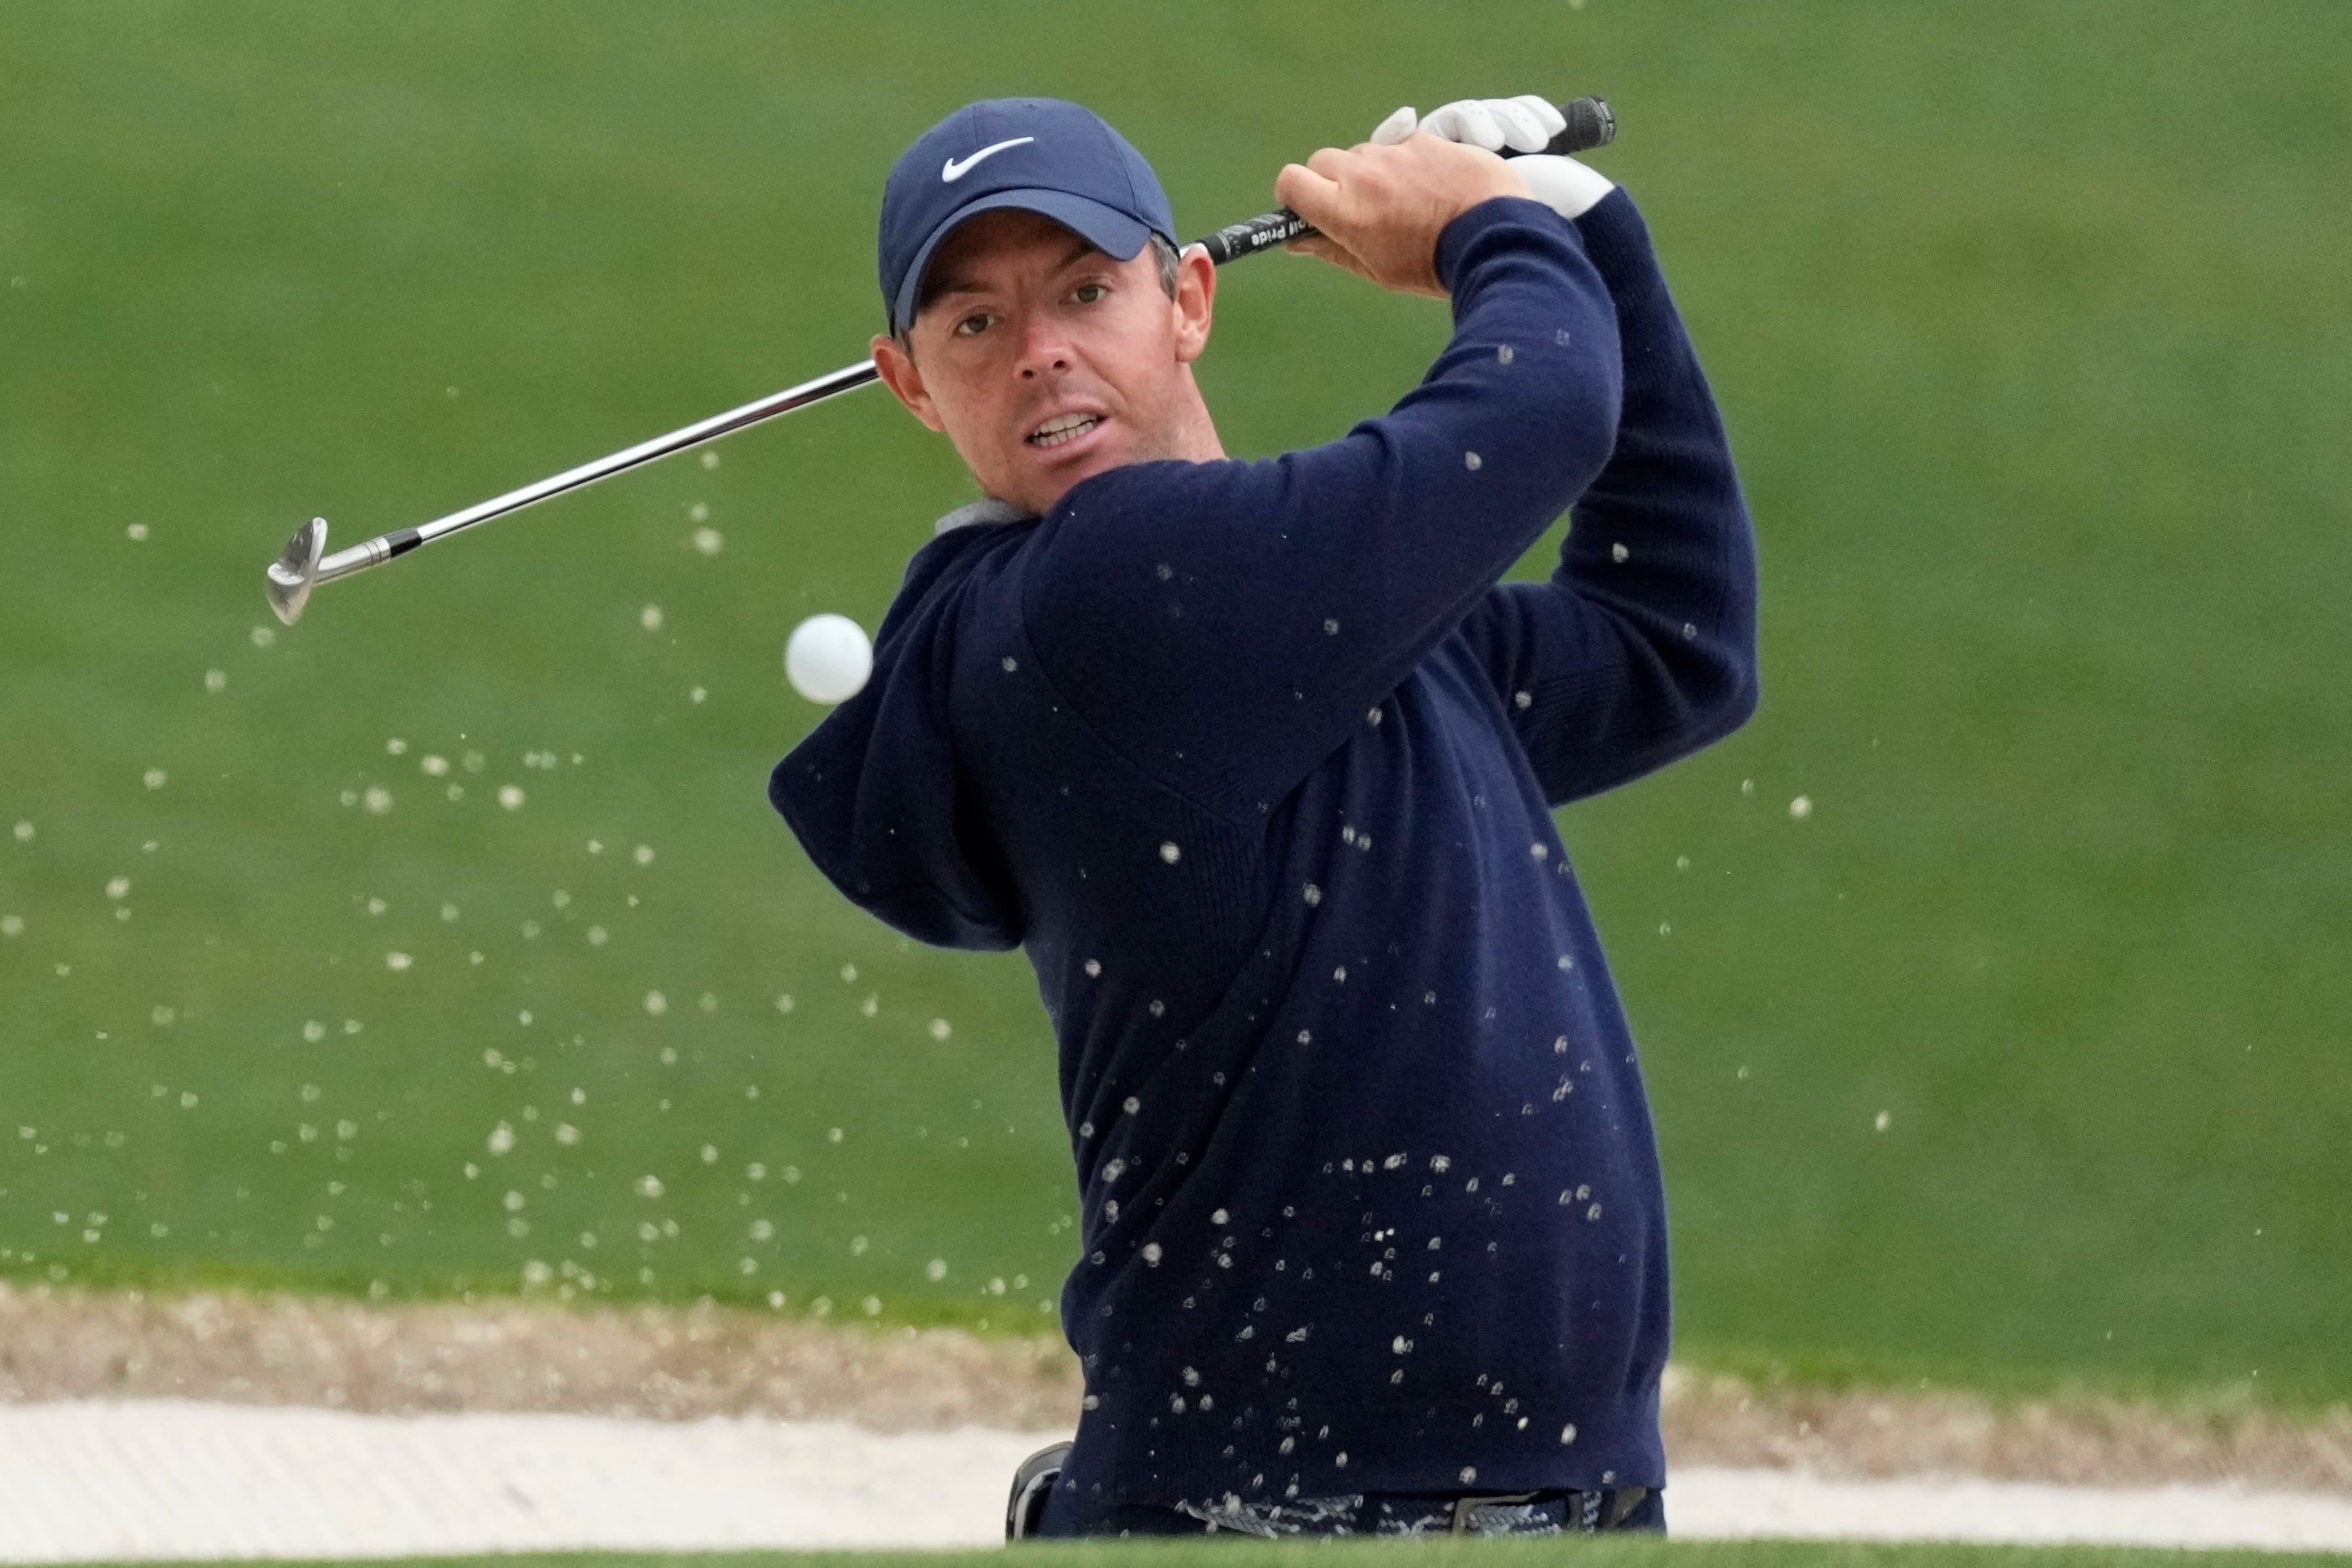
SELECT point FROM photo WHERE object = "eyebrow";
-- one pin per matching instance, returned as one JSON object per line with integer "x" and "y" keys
{"x": 965, "y": 286}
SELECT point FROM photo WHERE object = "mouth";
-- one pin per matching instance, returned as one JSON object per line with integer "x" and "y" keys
{"x": 1061, "y": 429}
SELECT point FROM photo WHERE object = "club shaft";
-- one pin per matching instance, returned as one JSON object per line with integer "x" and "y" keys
{"x": 385, "y": 547}
{"x": 372, "y": 552}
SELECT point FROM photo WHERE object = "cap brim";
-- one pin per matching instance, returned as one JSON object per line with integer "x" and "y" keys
{"x": 1112, "y": 231}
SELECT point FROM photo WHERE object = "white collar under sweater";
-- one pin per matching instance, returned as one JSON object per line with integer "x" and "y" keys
{"x": 991, "y": 510}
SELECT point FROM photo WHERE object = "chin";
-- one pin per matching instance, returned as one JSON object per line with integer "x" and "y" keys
{"x": 1041, "y": 491}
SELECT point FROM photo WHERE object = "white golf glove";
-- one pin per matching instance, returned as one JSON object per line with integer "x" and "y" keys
{"x": 1522, "y": 124}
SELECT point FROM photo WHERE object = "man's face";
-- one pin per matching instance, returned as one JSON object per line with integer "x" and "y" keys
{"x": 1046, "y": 361}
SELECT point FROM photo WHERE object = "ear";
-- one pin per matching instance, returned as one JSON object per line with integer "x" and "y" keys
{"x": 905, "y": 382}
{"x": 1195, "y": 302}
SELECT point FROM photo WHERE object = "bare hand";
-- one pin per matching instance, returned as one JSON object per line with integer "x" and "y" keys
{"x": 1381, "y": 209}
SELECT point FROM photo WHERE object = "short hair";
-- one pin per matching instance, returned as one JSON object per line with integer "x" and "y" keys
{"x": 1163, "y": 251}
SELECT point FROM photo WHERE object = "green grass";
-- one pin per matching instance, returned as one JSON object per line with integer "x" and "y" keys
{"x": 2029, "y": 323}
{"x": 1599, "y": 1553}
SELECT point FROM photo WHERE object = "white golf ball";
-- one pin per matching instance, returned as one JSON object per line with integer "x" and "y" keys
{"x": 828, "y": 658}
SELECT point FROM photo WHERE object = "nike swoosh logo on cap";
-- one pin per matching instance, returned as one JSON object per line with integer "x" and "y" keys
{"x": 957, "y": 169}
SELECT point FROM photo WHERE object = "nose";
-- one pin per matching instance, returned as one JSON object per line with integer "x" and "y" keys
{"x": 1044, "y": 347}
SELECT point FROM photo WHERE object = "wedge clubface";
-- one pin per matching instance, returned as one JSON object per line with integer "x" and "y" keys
{"x": 292, "y": 573}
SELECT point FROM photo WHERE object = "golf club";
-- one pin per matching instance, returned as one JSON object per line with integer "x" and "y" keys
{"x": 304, "y": 564}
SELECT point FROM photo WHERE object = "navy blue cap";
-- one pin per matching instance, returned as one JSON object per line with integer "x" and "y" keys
{"x": 1036, "y": 154}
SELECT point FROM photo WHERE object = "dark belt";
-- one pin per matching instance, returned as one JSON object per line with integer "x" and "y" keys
{"x": 1584, "y": 1512}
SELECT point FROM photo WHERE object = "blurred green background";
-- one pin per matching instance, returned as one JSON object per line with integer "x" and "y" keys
{"x": 2018, "y": 1060}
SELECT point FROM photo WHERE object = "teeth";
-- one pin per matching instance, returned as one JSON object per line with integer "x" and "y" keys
{"x": 1068, "y": 427}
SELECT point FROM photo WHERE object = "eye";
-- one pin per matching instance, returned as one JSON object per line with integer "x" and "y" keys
{"x": 974, "y": 325}
{"x": 1088, "y": 293}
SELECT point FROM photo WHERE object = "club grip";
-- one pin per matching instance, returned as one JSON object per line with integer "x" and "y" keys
{"x": 1590, "y": 124}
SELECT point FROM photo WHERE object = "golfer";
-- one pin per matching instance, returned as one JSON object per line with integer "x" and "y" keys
{"x": 1256, "y": 760}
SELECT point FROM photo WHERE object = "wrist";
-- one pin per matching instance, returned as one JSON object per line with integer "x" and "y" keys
{"x": 1502, "y": 179}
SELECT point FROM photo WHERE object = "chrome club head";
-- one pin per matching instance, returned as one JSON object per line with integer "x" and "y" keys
{"x": 292, "y": 573}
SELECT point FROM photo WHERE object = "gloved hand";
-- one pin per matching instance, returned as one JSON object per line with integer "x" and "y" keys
{"x": 1522, "y": 124}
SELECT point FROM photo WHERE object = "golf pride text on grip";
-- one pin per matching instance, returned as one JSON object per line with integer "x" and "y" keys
{"x": 1589, "y": 125}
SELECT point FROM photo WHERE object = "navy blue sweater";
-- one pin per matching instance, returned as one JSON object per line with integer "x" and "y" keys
{"x": 1256, "y": 760}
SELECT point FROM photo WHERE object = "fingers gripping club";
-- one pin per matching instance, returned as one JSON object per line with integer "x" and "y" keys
{"x": 1590, "y": 124}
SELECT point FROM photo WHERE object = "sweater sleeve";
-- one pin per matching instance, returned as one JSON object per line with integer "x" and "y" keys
{"x": 1222, "y": 625}
{"x": 1642, "y": 647}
